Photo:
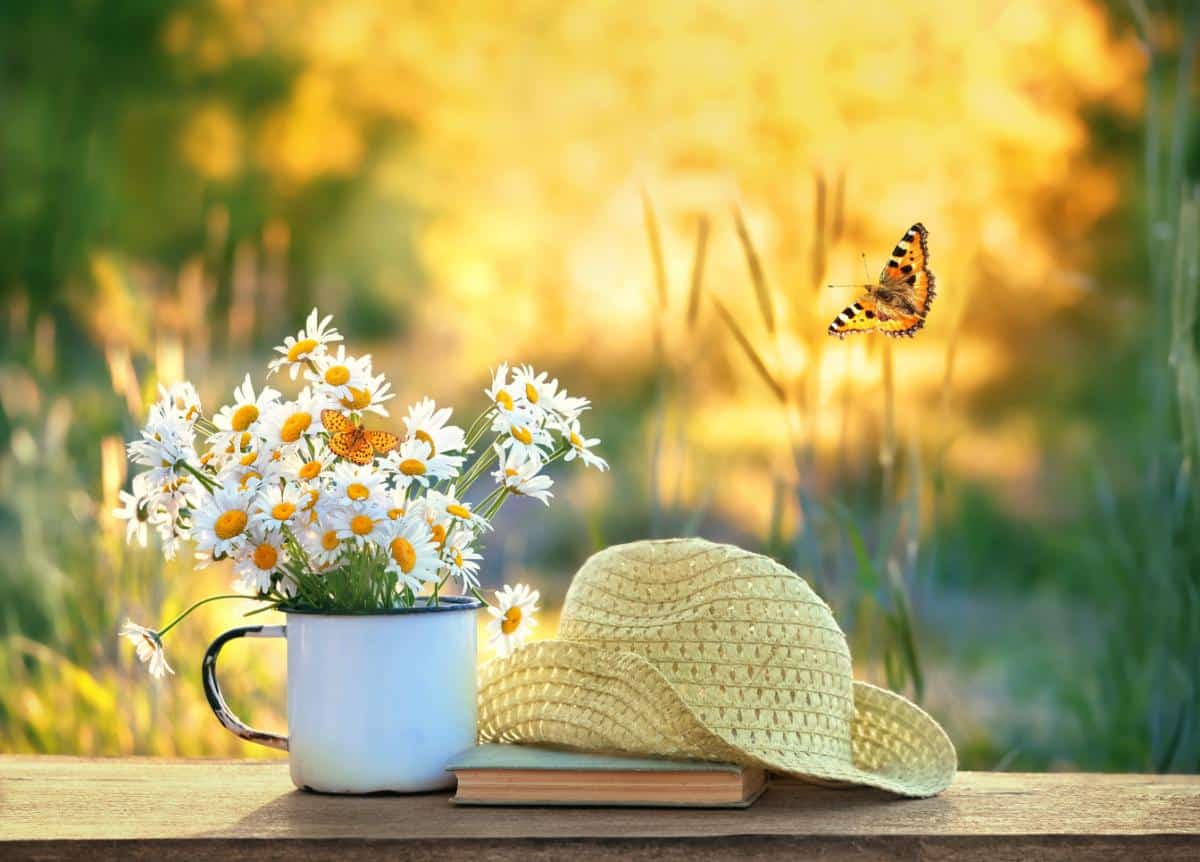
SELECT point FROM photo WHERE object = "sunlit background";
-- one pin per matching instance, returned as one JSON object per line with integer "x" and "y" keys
{"x": 647, "y": 200}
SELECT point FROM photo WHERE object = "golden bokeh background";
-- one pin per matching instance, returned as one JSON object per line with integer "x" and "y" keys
{"x": 585, "y": 186}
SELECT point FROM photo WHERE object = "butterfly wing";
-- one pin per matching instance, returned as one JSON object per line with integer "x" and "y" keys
{"x": 908, "y": 272}
{"x": 337, "y": 422}
{"x": 867, "y": 315}
{"x": 351, "y": 446}
{"x": 382, "y": 441}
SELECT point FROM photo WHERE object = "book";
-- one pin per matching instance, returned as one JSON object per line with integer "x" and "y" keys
{"x": 495, "y": 774}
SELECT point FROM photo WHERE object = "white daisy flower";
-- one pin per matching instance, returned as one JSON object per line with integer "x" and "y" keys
{"x": 136, "y": 515}
{"x": 581, "y": 447}
{"x": 323, "y": 545}
{"x": 165, "y": 442}
{"x": 289, "y": 424}
{"x": 296, "y": 466}
{"x": 369, "y": 398}
{"x": 235, "y": 420}
{"x": 513, "y": 618}
{"x": 357, "y": 526}
{"x": 397, "y": 503}
{"x": 566, "y": 407}
{"x": 262, "y": 555}
{"x": 309, "y": 343}
{"x": 425, "y": 422}
{"x": 505, "y": 395}
{"x": 359, "y": 487}
{"x": 337, "y": 376}
{"x": 281, "y": 506}
{"x": 532, "y": 442}
{"x": 441, "y": 510}
{"x": 219, "y": 524}
{"x": 461, "y": 559}
{"x": 180, "y": 401}
{"x": 411, "y": 462}
{"x": 412, "y": 554}
{"x": 149, "y": 648}
{"x": 522, "y": 475}
{"x": 537, "y": 389}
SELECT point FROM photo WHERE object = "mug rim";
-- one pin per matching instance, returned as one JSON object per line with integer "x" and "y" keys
{"x": 446, "y": 604}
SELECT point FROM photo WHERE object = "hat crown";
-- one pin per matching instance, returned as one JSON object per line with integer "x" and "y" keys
{"x": 746, "y": 642}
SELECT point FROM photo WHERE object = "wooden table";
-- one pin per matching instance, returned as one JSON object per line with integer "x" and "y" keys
{"x": 135, "y": 808}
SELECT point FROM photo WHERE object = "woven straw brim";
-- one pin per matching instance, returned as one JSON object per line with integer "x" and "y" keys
{"x": 585, "y": 697}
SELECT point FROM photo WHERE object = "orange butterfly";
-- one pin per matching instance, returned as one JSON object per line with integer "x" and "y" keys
{"x": 899, "y": 303}
{"x": 354, "y": 442}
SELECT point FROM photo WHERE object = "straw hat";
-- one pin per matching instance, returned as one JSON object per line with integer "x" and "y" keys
{"x": 686, "y": 648}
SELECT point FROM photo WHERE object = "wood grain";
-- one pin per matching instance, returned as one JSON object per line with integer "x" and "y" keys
{"x": 135, "y": 808}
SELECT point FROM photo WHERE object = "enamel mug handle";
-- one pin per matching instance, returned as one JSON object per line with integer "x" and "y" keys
{"x": 212, "y": 690}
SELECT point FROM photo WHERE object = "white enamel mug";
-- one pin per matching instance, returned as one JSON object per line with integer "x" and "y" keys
{"x": 376, "y": 702}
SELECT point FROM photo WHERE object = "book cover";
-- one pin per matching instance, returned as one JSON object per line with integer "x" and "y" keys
{"x": 496, "y": 774}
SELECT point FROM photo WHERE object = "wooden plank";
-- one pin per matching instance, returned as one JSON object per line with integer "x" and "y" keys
{"x": 67, "y": 808}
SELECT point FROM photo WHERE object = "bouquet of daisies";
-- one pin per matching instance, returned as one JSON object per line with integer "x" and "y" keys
{"x": 320, "y": 509}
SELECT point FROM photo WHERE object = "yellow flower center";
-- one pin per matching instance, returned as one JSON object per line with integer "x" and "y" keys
{"x": 294, "y": 426}
{"x": 404, "y": 554}
{"x": 249, "y": 458}
{"x": 421, "y": 435}
{"x": 459, "y": 511}
{"x": 230, "y": 524}
{"x": 310, "y": 470}
{"x": 531, "y": 393}
{"x": 329, "y": 541}
{"x": 300, "y": 348}
{"x": 243, "y": 416}
{"x": 576, "y": 441}
{"x": 313, "y": 496}
{"x": 458, "y": 558}
{"x": 245, "y": 440}
{"x": 395, "y": 514}
{"x": 337, "y": 375}
{"x": 253, "y": 474}
{"x": 439, "y": 534}
{"x": 283, "y": 511}
{"x": 360, "y": 525}
{"x": 510, "y": 471}
{"x": 412, "y": 467}
{"x": 522, "y": 433}
{"x": 504, "y": 400}
{"x": 265, "y": 557}
{"x": 357, "y": 492}
{"x": 512, "y": 619}
{"x": 360, "y": 399}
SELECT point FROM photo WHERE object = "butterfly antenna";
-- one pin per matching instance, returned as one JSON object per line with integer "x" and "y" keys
{"x": 866, "y": 269}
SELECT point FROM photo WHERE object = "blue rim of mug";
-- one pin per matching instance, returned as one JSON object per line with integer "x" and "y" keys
{"x": 445, "y": 604}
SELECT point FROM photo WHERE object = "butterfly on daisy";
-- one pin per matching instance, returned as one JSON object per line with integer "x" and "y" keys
{"x": 354, "y": 442}
{"x": 900, "y": 302}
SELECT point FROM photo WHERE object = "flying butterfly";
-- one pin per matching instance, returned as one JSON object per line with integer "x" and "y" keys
{"x": 900, "y": 302}
{"x": 353, "y": 442}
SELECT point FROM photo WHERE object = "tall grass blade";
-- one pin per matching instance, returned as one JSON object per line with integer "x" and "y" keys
{"x": 697, "y": 287}
{"x": 656, "y": 252}
{"x": 755, "y": 359}
{"x": 761, "y": 292}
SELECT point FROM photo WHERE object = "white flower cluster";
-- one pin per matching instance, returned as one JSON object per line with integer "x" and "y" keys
{"x": 296, "y": 490}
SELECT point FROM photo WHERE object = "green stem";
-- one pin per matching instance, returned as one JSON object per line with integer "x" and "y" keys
{"x": 479, "y": 427}
{"x": 179, "y": 618}
{"x": 206, "y": 481}
{"x": 475, "y": 471}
